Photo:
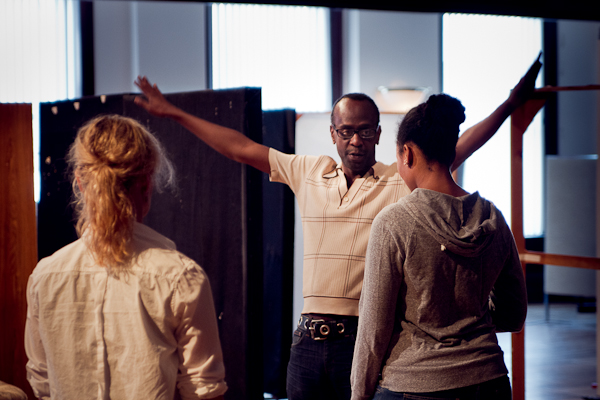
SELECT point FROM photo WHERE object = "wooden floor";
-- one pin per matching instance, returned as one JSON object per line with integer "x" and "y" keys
{"x": 560, "y": 354}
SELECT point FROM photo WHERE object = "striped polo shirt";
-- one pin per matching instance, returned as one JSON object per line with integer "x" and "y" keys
{"x": 336, "y": 223}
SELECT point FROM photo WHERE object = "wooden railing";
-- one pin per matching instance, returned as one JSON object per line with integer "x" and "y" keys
{"x": 520, "y": 120}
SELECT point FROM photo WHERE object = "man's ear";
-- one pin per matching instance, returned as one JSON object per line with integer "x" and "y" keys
{"x": 332, "y": 131}
{"x": 378, "y": 134}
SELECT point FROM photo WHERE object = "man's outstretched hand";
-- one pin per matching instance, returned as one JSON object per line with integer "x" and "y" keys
{"x": 523, "y": 90}
{"x": 153, "y": 100}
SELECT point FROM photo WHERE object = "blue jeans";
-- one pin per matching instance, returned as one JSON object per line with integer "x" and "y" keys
{"x": 320, "y": 369}
{"x": 496, "y": 389}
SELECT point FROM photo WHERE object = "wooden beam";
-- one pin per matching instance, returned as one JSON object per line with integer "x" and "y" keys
{"x": 520, "y": 120}
{"x": 535, "y": 257}
{"x": 18, "y": 238}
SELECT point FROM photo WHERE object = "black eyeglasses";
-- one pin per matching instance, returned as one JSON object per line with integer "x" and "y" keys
{"x": 368, "y": 133}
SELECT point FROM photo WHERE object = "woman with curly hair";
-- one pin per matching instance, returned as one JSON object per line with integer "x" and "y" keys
{"x": 442, "y": 276}
{"x": 119, "y": 313}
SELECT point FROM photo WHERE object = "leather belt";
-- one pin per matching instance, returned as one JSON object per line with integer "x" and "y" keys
{"x": 322, "y": 328}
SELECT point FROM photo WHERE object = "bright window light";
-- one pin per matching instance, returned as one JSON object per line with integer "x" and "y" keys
{"x": 39, "y": 62}
{"x": 484, "y": 57}
{"x": 282, "y": 49}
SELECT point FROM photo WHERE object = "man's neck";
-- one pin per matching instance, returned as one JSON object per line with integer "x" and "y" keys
{"x": 352, "y": 176}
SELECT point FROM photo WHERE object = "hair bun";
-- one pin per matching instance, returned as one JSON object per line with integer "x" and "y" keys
{"x": 446, "y": 109}
{"x": 434, "y": 126}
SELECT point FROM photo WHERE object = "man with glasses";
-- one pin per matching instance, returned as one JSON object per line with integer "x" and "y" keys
{"x": 338, "y": 202}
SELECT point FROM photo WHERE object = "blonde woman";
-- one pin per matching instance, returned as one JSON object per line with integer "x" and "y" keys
{"x": 120, "y": 313}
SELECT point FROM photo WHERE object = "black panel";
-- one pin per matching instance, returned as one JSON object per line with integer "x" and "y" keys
{"x": 215, "y": 217}
{"x": 278, "y": 256}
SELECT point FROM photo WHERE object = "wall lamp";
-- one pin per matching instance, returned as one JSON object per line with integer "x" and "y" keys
{"x": 400, "y": 99}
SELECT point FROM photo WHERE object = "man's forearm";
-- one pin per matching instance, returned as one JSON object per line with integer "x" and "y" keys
{"x": 226, "y": 141}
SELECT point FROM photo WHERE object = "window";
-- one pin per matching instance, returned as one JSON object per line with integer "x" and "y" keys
{"x": 483, "y": 58}
{"x": 40, "y": 60}
{"x": 282, "y": 49}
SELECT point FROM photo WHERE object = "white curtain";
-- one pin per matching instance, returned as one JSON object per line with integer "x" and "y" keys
{"x": 39, "y": 44}
{"x": 282, "y": 49}
{"x": 484, "y": 57}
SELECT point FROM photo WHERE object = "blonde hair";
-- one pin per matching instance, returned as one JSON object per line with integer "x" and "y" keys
{"x": 110, "y": 155}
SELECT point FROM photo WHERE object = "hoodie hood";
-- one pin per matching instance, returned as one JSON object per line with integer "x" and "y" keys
{"x": 462, "y": 225}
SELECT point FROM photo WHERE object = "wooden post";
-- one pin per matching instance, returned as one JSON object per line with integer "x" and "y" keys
{"x": 516, "y": 168}
{"x": 18, "y": 238}
{"x": 520, "y": 120}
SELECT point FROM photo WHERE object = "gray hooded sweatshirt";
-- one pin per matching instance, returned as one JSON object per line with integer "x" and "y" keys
{"x": 442, "y": 276}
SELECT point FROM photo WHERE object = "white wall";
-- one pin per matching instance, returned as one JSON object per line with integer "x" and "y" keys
{"x": 571, "y": 223}
{"x": 113, "y": 47}
{"x": 570, "y": 174}
{"x": 164, "y": 41}
{"x": 578, "y": 64}
{"x": 388, "y": 48}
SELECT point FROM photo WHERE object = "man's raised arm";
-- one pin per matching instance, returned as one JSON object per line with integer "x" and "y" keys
{"x": 229, "y": 142}
{"x": 477, "y": 135}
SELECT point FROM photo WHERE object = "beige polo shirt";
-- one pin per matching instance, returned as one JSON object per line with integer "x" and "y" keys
{"x": 336, "y": 222}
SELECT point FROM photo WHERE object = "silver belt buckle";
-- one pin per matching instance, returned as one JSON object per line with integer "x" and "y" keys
{"x": 300, "y": 324}
{"x": 323, "y": 329}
